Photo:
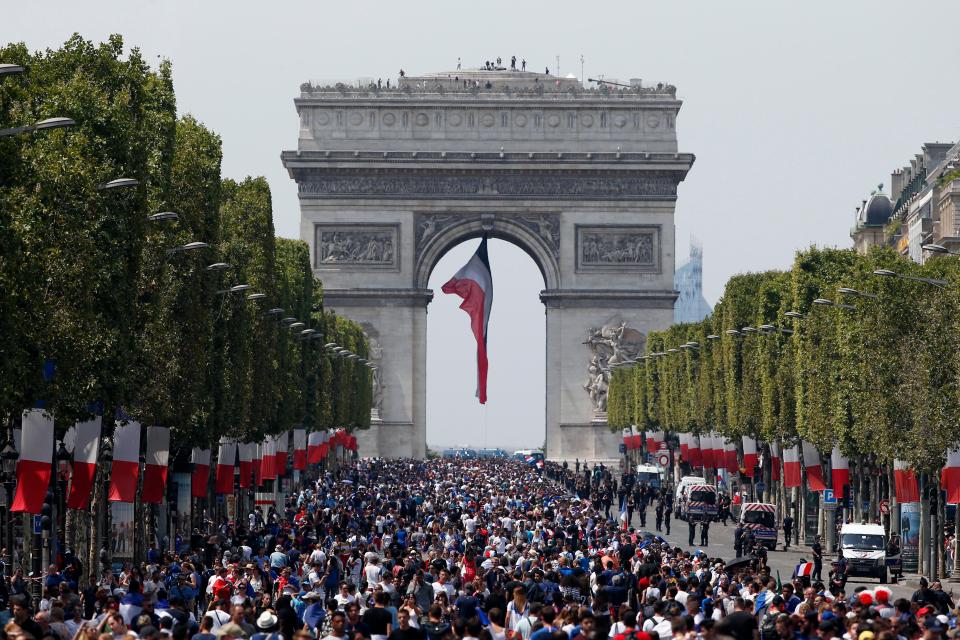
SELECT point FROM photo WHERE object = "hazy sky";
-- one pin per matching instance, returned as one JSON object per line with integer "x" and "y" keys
{"x": 794, "y": 110}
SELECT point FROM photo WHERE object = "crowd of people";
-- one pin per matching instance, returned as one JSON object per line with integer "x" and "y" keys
{"x": 454, "y": 550}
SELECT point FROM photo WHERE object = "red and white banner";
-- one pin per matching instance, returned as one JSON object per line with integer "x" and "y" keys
{"x": 706, "y": 450}
{"x": 791, "y": 467}
{"x": 775, "y": 461}
{"x": 905, "y": 479}
{"x": 257, "y": 451}
{"x": 731, "y": 462}
{"x": 201, "y": 472}
{"x": 245, "y": 463}
{"x": 269, "y": 448}
{"x": 314, "y": 441}
{"x": 811, "y": 462}
{"x": 625, "y": 434}
{"x": 750, "y": 458}
{"x": 839, "y": 471}
{"x": 125, "y": 469}
{"x": 299, "y": 449}
{"x": 158, "y": 460}
{"x": 283, "y": 441}
{"x": 950, "y": 477}
{"x": 226, "y": 460}
{"x": 636, "y": 438}
{"x": 35, "y": 465}
{"x": 695, "y": 458}
{"x": 86, "y": 448}
{"x": 474, "y": 283}
{"x": 654, "y": 440}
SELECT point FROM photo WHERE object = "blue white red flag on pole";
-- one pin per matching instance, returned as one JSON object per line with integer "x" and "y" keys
{"x": 474, "y": 283}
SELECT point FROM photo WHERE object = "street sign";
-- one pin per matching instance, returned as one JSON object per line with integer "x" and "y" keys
{"x": 760, "y": 487}
{"x": 829, "y": 498}
{"x": 663, "y": 458}
{"x": 885, "y": 507}
{"x": 37, "y": 525}
{"x": 623, "y": 448}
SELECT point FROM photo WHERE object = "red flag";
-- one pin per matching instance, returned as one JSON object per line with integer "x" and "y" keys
{"x": 696, "y": 459}
{"x": 905, "y": 480}
{"x": 314, "y": 440}
{"x": 35, "y": 464}
{"x": 245, "y": 463}
{"x": 811, "y": 461}
{"x": 158, "y": 459}
{"x": 950, "y": 476}
{"x": 125, "y": 469}
{"x": 750, "y": 458}
{"x": 774, "y": 461}
{"x": 839, "y": 470}
{"x": 299, "y": 449}
{"x": 201, "y": 472}
{"x": 791, "y": 467}
{"x": 226, "y": 459}
{"x": 730, "y": 457}
{"x": 86, "y": 447}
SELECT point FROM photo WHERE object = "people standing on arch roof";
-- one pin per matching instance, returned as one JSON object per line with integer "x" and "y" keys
{"x": 447, "y": 549}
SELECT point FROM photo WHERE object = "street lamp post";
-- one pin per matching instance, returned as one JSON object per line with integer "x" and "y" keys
{"x": 8, "y": 463}
{"x": 49, "y": 123}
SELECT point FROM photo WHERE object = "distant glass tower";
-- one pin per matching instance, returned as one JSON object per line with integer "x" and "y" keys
{"x": 691, "y": 306}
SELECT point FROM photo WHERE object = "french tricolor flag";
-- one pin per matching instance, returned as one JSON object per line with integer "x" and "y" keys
{"x": 811, "y": 461}
{"x": 245, "y": 457}
{"x": 839, "y": 470}
{"x": 750, "y": 458}
{"x": 125, "y": 469}
{"x": 474, "y": 283}
{"x": 905, "y": 481}
{"x": 35, "y": 464}
{"x": 299, "y": 449}
{"x": 791, "y": 467}
{"x": 226, "y": 457}
{"x": 86, "y": 447}
{"x": 950, "y": 476}
{"x": 158, "y": 460}
{"x": 775, "y": 461}
{"x": 201, "y": 472}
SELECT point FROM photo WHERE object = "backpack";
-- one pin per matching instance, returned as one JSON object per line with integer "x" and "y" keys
{"x": 768, "y": 625}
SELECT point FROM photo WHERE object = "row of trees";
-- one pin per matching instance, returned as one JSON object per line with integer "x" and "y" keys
{"x": 129, "y": 317}
{"x": 878, "y": 376}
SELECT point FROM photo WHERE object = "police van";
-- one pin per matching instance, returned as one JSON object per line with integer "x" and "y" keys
{"x": 696, "y": 500}
{"x": 760, "y": 519}
{"x": 865, "y": 548}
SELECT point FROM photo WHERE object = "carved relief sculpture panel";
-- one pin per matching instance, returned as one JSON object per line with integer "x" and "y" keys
{"x": 372, "y": 246}
{"x": 618, "y": 248}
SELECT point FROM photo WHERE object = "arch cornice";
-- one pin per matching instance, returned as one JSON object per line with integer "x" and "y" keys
{"x": 536, "y": 234}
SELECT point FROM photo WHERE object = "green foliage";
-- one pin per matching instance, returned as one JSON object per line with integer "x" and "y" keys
{"x": 881, "y": 380}
{"x": 88, "y": 282}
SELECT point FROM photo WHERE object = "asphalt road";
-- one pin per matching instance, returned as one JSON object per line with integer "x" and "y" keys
{"x": 784, "y": 561}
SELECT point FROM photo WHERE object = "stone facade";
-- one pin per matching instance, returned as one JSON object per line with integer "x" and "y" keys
{"x": 585, "y": 181}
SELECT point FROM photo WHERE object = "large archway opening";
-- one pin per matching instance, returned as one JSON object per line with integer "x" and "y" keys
{"x": 514, "y": 416}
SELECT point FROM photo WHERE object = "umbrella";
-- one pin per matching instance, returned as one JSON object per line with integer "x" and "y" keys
{"x": 742, "y": 561}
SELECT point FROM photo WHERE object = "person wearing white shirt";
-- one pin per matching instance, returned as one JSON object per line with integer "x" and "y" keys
{"x": 442, "y": 585}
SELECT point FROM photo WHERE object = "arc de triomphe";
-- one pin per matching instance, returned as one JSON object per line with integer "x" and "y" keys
{"x": 585, "y": 181}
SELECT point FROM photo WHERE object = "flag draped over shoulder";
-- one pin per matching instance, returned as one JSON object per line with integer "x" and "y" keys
{"x": 474, "y": 283}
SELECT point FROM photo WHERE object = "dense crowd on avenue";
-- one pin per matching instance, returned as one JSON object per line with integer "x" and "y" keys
{"x": 456, "y": 550}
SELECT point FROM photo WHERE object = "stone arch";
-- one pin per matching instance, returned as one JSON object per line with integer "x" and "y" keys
{"x": 500, "y": 226}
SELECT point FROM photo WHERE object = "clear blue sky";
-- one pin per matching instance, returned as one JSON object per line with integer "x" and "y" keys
{"x": 794, "y": 110}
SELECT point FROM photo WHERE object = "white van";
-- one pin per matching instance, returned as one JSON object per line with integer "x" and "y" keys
{"x": 649, "y": 474}
{"x": 865, "y": 548}
{"x": 685, "y": 481}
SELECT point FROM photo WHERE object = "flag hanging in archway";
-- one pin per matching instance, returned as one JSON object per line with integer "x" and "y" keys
{"x": 474, "y": 283}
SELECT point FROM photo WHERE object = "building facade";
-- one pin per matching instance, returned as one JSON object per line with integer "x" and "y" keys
{"x": 584, "y": 180}
{"x": 923, "y": 207}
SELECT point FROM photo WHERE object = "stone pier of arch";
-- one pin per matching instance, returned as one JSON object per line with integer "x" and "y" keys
{"x": 584, "y": 181}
